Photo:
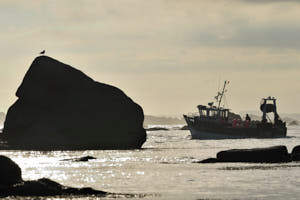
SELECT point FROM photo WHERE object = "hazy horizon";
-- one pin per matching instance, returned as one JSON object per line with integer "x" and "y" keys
{"x": 168, "y": 56}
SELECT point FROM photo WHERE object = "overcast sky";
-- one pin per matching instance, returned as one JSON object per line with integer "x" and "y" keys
{"x": 167, "y": 55}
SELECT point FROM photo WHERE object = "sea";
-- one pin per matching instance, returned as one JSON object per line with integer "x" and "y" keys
{"x": 166, "y": 168}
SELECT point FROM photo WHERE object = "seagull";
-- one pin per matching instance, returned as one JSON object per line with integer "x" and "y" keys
{"x": 42, "y": 52}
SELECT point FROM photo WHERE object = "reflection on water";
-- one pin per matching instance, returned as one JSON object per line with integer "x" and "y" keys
{"x": 166, "y": 168}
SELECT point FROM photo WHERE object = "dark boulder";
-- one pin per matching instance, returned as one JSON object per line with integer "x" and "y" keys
{"x": 10, "y": 172}
{"x": 296, "y": 153}
{"x": 85, "y": 158}
{"x": 61, "y": 108}
{"x": 275, "y": 154}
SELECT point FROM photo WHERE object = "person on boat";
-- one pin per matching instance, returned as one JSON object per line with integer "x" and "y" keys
{"x": 248, "y": 117}
{"x": 246, "y": 123}
{"x": 234, "y": 123}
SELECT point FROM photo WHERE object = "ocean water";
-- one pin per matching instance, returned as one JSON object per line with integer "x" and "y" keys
{"x": 165, "y": 169}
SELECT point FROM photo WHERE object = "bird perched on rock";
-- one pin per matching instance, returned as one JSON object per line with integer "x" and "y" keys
{"x": 42, "y": 52}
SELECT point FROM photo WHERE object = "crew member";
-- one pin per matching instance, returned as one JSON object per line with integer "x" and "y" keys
{"x": 248, "y": 117}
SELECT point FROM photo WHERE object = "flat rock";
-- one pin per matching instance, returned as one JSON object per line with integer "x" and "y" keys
{"x": 274, "y": 154}
{"x": 157, "y": 129}
{"x": 61, "y": 108}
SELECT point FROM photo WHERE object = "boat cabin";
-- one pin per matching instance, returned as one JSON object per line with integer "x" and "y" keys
{"x": 213, "y": 112}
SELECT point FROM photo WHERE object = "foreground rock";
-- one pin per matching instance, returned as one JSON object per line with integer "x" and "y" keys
{"x": 11, "y": 184}
{"x": 45, "y": 187}
{"x": 60, "y": 108}
{"x": 274, "y": 154}
{"x": 10, "y": 172}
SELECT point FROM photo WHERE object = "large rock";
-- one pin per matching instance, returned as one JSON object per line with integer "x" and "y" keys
{"x": 274, "y": 154}
{"x": 59, "y": 107}
{"x": 10, "y": 172}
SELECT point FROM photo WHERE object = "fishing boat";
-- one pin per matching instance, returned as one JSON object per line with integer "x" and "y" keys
{"x": 217, "y": 122}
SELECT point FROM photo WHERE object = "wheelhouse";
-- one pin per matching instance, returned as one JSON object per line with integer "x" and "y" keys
{"x": 212, "y": 112}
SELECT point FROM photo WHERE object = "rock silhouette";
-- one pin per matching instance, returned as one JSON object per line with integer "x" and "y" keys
{"x": 61, "y": 108}
{"x": 45, "y": 187}
{"x": 81, "y": 159}
{"x": 274, "y": 154}
{"x": 10, "y": 172}
{"x": 157, "y": 129}
{"x": 11, "y": 184}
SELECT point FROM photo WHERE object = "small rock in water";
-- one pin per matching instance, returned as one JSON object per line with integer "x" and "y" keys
{"x": 86, "y": 158}
{"x": 296, "y": 153}
{"x": 157, "y": 129}
{"x": 82, "y": 159}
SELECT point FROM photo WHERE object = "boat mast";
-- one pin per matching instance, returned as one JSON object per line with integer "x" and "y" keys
{"x": 223, "y": 91}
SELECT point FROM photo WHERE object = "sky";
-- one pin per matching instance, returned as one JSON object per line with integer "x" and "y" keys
{"x": 167, "y": 55}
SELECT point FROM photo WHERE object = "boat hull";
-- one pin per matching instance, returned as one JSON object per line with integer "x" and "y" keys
{"x": 224, "y": 131}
